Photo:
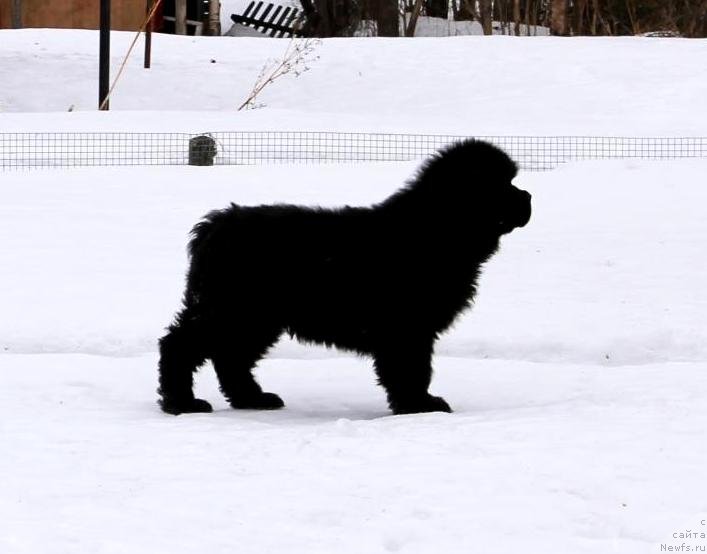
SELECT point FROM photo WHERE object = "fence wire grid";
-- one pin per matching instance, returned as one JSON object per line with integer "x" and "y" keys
{"x": 537, "y": 153}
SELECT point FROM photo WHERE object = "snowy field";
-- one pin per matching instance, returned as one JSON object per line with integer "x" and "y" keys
{"x": 578, "y": 380}
{"x": 460, "y": 85}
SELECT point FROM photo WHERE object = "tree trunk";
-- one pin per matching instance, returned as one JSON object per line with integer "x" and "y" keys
{"x": 324, "y": 20}
{"x": 631, "y": 10}
{"x": 469, "y": 8}
{"x": 558, "y": 18}
{"x": 516, "y": 17}
{"x": 410, "y": 30}
{"x": 497, "y": 14}
{"x": 580, "y": 7}
{"x": 487, "y": 16}
{"x": 527, "y": 17}
{"x": 387, "y": 18}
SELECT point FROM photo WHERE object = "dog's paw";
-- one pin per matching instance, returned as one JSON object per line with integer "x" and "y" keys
{"x": 428, "y": 403}
{"x": 263, "y": 401}
{"x": 191, "y": 406}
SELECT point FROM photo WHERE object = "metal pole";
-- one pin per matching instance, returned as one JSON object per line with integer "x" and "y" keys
{"x": 104, "y": 57}
{"x": 148, "y": 37}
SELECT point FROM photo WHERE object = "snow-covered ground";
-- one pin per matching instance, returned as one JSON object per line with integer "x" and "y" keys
{"x": 615, "y": 248}
{"x": 538, "y": 458}
{"x": 460, "y": 85}
{"x": 579, "y": 379}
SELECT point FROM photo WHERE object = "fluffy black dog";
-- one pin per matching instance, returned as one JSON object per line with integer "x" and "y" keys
{"x": 383, "y": 281}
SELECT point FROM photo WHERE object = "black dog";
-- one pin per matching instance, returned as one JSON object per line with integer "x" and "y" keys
{"x": 383, "y": 281}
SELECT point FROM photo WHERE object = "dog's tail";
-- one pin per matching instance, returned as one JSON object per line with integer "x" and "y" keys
{"x": 202, "y": 233}
{"x": 204, "y": 245}
{"x": 199, "y": 235}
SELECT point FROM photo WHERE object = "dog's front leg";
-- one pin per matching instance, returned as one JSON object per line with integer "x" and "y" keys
{"x": 405, "y": 371}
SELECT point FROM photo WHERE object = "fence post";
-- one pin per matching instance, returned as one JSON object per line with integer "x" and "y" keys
{"x": 180, "y": 17}
{"x": 202, "y": 150}
{"x": 104, "y": 56}
{"x": 215, "y": 18}
{"x": 148, "y": 37}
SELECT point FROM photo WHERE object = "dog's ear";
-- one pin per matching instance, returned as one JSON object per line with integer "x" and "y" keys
{"x": 514, "y": 170}
{"x": 487, "y": 158}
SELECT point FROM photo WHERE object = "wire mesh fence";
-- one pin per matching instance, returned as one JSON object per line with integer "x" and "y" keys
{"x": 43, "y": 150}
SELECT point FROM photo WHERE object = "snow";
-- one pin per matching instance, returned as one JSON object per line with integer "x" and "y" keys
{"x": 578, "y": 379}
{"x": 438, "y": 27}
{"x": 538, "y": 458}
{"x": 633, "y": 294}
{"x": 459, "y": 85}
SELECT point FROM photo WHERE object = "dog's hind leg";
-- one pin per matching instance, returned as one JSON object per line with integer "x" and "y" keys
{"x": 182, "y": 351}
{"x": 405, "y": 371}
{"x": 234, "y": 358}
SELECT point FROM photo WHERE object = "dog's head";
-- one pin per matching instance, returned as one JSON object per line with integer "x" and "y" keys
{"x": 504, "y": 206}
{"x": 471, "y": 182}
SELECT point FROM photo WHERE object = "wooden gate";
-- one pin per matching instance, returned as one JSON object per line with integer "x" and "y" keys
{"x": 282, "y": 22}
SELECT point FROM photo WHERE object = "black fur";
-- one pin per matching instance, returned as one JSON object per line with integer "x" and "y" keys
{"x": 383, "y": 281}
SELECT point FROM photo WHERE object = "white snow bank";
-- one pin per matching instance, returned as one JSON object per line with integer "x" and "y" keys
{"x": 467, "y": 85}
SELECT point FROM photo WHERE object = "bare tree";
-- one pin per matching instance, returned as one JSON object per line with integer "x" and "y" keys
{"x": 687, "y": 18}
{"x": 516, "y": 17}
{"x": 387, "y": 18}
{"x": 410, "y": 29}
{"x": 578, "y": 17}
{"x": 330, "y": 18}
{"x": 633, "y": 17}
{"x": 558, "y": 18}
{"x": 486, "y": 7}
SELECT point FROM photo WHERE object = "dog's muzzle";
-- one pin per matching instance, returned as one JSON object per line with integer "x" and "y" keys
{"x": 524, "y": 208}
{"x": 518, "y": 212}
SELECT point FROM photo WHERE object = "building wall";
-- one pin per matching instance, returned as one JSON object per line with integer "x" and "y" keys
{"x": 126, "y": 15}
